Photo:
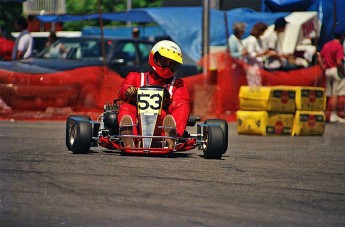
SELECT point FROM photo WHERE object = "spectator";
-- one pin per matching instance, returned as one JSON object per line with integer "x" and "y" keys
{"x": 331, "y": 61}
{"x": 306, "y": 50}
{"x": 56, "y": 51}
{"x": 51, "y": 39}
{"x": 253, "y": 44}
{"x": 277, "y": 59}
{"x": 235, "y": 41}
{"x": 6, "y": 46}
{"x": 24, "y": 42}
{"x": 135, "y": 33}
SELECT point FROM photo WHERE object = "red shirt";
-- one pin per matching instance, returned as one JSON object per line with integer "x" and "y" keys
{"x": 331, "y": 52}
{"x": 6, "y": 47}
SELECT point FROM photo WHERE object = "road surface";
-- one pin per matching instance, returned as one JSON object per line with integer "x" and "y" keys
{"x": 261, "y": 181}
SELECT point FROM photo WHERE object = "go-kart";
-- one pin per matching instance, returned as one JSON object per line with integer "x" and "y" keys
{"x": 82, "y": 132}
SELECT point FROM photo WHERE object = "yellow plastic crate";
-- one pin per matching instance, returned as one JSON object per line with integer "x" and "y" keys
{"x": 280, "y": 124}
{"x": 282, "y": 99}
{"x": 254, "y": 98}
{"x": 309, "y": 123}
{"x": 251, "y": 122}
{"x": 310, "y": 98}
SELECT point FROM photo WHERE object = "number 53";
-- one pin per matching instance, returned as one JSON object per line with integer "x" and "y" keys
{"x": 150, "y": 101}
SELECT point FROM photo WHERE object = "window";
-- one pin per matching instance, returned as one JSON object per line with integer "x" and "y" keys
{"x": 127, "y": 52}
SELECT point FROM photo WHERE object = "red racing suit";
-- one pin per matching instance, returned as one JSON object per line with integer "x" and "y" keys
{"x": 179, "y": 107}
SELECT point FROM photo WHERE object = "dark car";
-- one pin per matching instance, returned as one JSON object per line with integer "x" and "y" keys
{"x": 121, "y": 55}
{"x": 74, "y": 72}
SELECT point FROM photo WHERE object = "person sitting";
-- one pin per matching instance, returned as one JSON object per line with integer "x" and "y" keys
{"x": 56, "y": 51}
{"x": 277, "y": 59}
{"x": 236, "y": 47}
{"x": 164, "y": 59}
{"x": 51, "y": 39}
{"x": 253, "y": 44}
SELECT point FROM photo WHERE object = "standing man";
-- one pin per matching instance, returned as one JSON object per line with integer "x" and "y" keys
{"x": 135, "y": 33}
{"x": 331, "y": 61}
{"x": 24, "y": 42}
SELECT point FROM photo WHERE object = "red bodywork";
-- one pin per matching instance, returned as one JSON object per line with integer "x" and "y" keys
{"x": 189, "y": 144}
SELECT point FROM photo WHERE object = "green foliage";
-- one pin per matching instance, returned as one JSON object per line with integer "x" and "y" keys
{"x": 91, "y": 6}
{"x": 8, "y": 12}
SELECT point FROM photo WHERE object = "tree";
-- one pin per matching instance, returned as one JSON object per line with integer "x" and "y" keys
{"x": 91, "y": 6}
{"x": 9, "y": 11}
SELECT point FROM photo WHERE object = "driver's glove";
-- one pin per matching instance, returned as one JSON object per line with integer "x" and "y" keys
{"x": 167, "y": 102}
{"x": 131, "y": 94}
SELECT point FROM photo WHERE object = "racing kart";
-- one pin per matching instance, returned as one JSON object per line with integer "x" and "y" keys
{"x": 82, "y": 132}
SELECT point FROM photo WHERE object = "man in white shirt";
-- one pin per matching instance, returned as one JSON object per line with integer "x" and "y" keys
{"x": 24, "y": 42}
{"x": 277, "y": 59}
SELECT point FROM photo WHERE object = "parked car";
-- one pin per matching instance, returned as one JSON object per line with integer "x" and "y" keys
{"x": 74, "y": 72}
{"x": 41, "y": 38}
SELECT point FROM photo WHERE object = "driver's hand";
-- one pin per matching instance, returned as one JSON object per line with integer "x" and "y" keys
{"x": 131, "y": 94}
{"x": 167, "y": 102}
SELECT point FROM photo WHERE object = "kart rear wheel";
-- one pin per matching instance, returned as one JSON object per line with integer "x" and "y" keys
{"x": 224, "y": 126}
{"x": 214, "y": 140}
{"x": 70, "y": 123}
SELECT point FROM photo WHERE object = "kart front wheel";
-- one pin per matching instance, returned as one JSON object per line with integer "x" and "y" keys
{"x": 213, "y": 137}
{"x": 69, "y": 122}
{"x": 80, "y": 137}
{"x": 224, "y": 126}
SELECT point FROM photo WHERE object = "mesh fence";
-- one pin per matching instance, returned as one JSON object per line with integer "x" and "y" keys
{"x": 85, "y": 90}
{"x": 215, "y": 93}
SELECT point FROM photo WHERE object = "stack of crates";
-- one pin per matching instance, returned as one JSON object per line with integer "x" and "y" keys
{"x": 281, "y": 110}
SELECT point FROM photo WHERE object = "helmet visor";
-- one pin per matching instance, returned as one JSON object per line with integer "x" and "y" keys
{"x": 165, "y": 62}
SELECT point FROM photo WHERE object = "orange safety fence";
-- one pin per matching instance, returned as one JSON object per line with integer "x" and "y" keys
{"x": 214, "y": 93}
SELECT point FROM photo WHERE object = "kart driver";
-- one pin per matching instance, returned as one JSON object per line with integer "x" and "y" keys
{"x": 164, "y": 59}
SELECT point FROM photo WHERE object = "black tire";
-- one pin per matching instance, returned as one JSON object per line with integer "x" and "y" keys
{"x": 224, "y": 126}
{"x": 71, "y": 121}
{"x": 81, "y": 137}
{"x": 214, "y": 140}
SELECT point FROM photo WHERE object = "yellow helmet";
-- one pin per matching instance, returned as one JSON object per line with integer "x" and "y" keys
{"x": 165, "y": 49}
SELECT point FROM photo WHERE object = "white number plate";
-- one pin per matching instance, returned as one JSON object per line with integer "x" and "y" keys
{"x": 150, "y": 101}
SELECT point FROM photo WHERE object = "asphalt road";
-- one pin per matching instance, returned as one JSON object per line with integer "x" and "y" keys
{"x": 261, "y": 181}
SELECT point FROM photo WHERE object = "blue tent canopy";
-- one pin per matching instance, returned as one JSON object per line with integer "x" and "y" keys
{"x": 182, "y": 24}
{"x": 134, "y": 16}
{"x": 290, "y": 5}
{"x": 186, "y": 28}
{"x": 66, "y": 17}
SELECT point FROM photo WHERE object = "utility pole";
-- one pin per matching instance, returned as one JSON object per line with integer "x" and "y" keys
{"x": 129, "y": 7}
{"x": 205, "y": 34}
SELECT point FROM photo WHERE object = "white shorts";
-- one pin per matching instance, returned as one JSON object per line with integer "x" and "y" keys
{"x": 335, "y": 86}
